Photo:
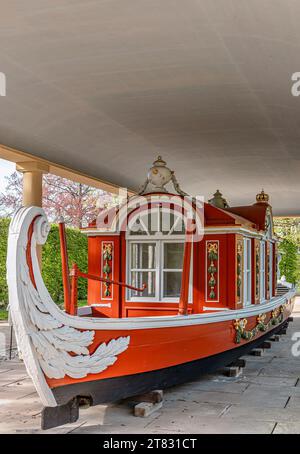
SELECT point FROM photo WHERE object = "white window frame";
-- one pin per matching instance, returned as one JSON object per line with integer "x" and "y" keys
{"x": 262, "y": 275}
{"x": 271, "y": 271}
{"x": 159, "y": 239}
{"x": 129, "y": 270}
{"x": 247, "y": 288}
{"x": 163, "y": 270}
{"x": 159, "y": 269}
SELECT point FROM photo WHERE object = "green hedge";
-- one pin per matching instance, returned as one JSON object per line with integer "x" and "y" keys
{"x": 289, "y": 264}
{"x": 77, "y": 250}
{"x": 4, "y": 224}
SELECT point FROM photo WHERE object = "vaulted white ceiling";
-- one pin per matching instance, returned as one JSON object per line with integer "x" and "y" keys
{"x": 105, "y": 86}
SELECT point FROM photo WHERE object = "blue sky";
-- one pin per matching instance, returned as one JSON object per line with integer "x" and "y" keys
{"x": 6, "y": 168}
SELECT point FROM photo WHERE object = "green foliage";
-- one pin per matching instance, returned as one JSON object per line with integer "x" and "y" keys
{"x": 4, "y": 224}
{"x": 77, "y": 249}
{"x": 3, "y": 314}
{"x": 288, "y": 229}
{"x": 289, "y": 266}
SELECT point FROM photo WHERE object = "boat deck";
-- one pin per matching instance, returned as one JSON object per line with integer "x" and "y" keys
{"x": 264, "y": 399}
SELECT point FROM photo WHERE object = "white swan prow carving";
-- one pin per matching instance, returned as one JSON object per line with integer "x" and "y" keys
{"x": 46, "y": 335}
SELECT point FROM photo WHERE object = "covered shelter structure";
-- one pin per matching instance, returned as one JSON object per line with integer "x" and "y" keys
{"x": 95, "y": 91}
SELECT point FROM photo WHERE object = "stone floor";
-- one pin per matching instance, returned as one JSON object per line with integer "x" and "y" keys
{"x": 264, "y": 399}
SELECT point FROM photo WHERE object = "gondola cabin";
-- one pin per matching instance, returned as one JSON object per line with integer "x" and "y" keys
{"x": 233, "y": 264}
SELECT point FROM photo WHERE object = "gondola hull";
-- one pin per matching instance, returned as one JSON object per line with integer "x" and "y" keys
{"x": 113, "y": 389}
{"x": 106, "y": 359}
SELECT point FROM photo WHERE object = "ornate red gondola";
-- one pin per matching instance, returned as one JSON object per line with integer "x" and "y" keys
{"x": 176, "y": 288}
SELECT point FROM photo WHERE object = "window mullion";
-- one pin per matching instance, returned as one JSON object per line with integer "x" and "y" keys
{"x": 158, "y": 270}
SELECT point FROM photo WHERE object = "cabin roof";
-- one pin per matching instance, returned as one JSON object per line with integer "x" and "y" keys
{"x": 255, "y": 213}
{"x": 213, "y": 216}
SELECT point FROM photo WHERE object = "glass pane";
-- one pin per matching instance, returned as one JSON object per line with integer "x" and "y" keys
{"x": 138, "y": 278}
{"x": 172, "y": 284}
{"x": 152, "y": 222}
{"x": 179, "y": 228}
{"x": 249, "y": 254}
{"x": 145, "y": 224}
{"x": 137, "y": 227}
{"x": 173, "y": 255}
{"x": 166, "y": 220}
{"x": 249, "y": 287}
{"x": 142, "y": 255}
{"x": 171, "y": 221}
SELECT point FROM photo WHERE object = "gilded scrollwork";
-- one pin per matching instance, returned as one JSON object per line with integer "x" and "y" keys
{"x": 261, "y": 325}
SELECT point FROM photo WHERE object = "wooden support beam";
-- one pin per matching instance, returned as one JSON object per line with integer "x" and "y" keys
{"x": 145, "y": 409}
{"x": 282, "y": 331}
{"x": 238, "y": 363}
{"x": 274, "y": 338}
{"x": 233, "y": 371}
{"x": 265, "y": 345}
{"x": 257, "y": 352}
{"x": 235, "y": 368}
{"x": 146, "y": 404}
{"x": 153, "y": 397}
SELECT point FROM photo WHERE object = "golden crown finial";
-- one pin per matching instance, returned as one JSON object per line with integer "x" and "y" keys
{"x": 262, "y": 197}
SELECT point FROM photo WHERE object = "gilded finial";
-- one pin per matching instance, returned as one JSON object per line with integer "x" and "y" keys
{"x": 262, "y": 197}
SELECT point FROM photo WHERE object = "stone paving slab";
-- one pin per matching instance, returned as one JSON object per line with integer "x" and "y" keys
{"x": 206, "y": 425}
{"x": 264, "y": 399}
{"x": 263, "y": 413}
{"x": 214, "y": 383}
{"x": 290, "y": 428}
{"x": 270, "y": 381}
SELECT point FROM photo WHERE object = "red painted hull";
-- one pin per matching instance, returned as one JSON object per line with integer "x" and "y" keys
{"x": 159, "y": 348}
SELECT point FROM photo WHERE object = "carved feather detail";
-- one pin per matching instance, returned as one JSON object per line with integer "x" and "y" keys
{"x": 59, "y": 348}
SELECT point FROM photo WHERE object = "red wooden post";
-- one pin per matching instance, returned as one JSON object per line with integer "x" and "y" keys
{"x": 74, "y": 283}
{"x": 185, "y": 278}
{"x": 65, "y": 265}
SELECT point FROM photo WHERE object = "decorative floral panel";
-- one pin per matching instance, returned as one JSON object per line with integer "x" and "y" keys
{"x": 257, "y": 271}
{"x": 239, "y": 270}
{"x": 212, "y": 271}
{"x": 106, "y": 268}
{"x": 268, "y": 269}
{"x": 276, "y": 268}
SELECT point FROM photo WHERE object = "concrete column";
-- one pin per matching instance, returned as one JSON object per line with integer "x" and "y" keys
{"x": 32, "y": 182}
{"x": 33, "y": 186}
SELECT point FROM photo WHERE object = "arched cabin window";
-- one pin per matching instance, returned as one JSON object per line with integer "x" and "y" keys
{"x": 155, "y": 244}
